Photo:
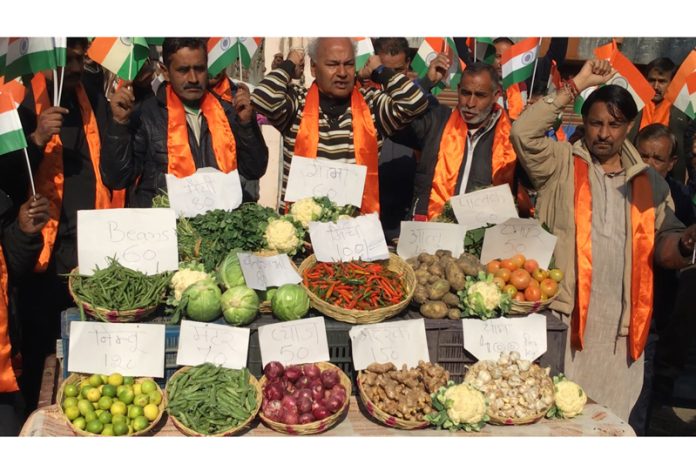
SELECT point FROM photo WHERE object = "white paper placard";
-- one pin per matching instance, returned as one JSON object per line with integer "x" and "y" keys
{"x": 525, "y": 236}
{"x": 360, "y": 238}
{"x": 418, "y": 237}
{"x": 205, "y": 190}
{"x": 488, "y": 206}
{"x": 141, "y": 239}
{"x": 104, "y": 348}
{"x": 486, "y": 339}
{"x": 341, "y": 183}
{"x": 294, "y": 342}
{"x": 397, "y": 342}
{"x": 262, "y": 272}
{"x": 214, "y": 343}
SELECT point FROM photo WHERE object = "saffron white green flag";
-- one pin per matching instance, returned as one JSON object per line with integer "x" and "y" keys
{"x": 221, "y": 53}
{"x": 485, "y": 50}
{"x": 680, "y": 92}
{"x": 28, "y": 56}
{"x": 365, "y": 50}
{"x": 518, "y": 61}
{"x": 248, "y": 47}
{"x": 580, "y": 99}
{"x": 11, "y": 133}
{"x": 428, "y": 50}
{"x": 60, "y": 46}
{"x": 124, "y": 56}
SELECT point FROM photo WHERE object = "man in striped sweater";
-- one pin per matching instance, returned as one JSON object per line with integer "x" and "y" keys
{"x": 334, "y": 119}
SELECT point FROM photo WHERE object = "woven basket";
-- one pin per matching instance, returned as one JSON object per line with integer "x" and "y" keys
{"x": 383, "y": 417}
{"x": 225, "y": 433}
{"x": 354, "y": 316}
{"x": 76, "y": 378}
{"x": 315, "y": 427}
{"x": 106, "y": 314}
{"x": 520, "y": 308}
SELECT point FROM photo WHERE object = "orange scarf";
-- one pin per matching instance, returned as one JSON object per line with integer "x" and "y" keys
{"x": 223, "y": 90}
{"x": 364, "y": 141}
{"x": 8, "y": 381}
{"x": 49, "y": 177}
{"x": 642, "y": 246}
{"x": 656, "y": 113}
{"x": 515, "y": 101}
{"x": 450, "y": 158}
{"x": 180, "y": 159}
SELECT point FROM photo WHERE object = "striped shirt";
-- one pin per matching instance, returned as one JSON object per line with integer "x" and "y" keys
{"x": 282, "y": 102}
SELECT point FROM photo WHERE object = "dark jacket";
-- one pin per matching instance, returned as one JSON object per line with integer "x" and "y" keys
{"x": 137, "y": 153}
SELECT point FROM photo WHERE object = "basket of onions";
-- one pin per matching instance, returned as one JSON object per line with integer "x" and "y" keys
{"x": 303, "y": 399}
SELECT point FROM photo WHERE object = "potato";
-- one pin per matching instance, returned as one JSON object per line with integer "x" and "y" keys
{"x": 443, "y": 253}
{"x": 422, "y": 276}
{"x": 470, "y": 265}
{"x": 420, "y": 295}
{"x": 436, "y": 269}
{"x": 455, "y": 276}
{"x": 413, "y": 262}
{"x": 427, "y": 258}
{"x": 434, "y": 279}
{"x": 438, "y": 289}
{"x": 434, "y": 310}
{"x": 454, "y": 313}
{"x": 451, "y": 299}
{"x": 446, "y": 260}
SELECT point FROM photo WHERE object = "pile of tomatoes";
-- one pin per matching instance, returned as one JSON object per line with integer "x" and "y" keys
{"x": 523, "y": 279}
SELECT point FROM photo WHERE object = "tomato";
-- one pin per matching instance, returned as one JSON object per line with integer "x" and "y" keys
{"x": 533, "y": 282}
{"x": 493, "y": 266}
{"x": 556, "y": 275}
{"x": 543, "y": 297}
{"x": 503, "y": 273}
{"x": 519, "y": 297}
{"x": 518, "y": 259}
{"x": 548, "y": 287}
{"x": 511, "y": 290}
{"x": 499, "y": 281}
{"x": 509, "y": 264}
{"x": 532, "y": 293}
{"x": 540, "y": 274}
{"x": 520, "y": 279}
{"x": 530, "y": 265}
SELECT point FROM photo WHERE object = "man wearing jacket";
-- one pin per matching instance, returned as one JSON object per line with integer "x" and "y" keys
{"x": 181, "y": 129}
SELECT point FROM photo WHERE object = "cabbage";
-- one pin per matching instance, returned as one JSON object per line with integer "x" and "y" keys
{"x": 201, "y": 301}
{"x": 229, "y": 272}
{"x": 290, "y": 302}
{"x": 239, "y": 305}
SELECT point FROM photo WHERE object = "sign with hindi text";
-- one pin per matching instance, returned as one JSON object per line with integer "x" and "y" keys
{"x": 294, "y": 342}
{"x": 487, "y": 339}
{"x": 427, "y": 237}
{"x": 262, "y": 272}
{"x": 488, "y": 206}
{"x": 219, "y": 344}
{"x": 525, "y": 236}
{"x": 399, "y": 342}
{"x": 341, "y": 183}
{"x": 205, "y": 190}
{"x": 360, "y": 238}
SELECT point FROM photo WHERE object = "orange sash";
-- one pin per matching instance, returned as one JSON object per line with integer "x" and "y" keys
{"x": 656, "y": 113}
{"x": 364, "y": 141}
{"x": 450, "y": 158}
{"x": 515, "y": 101}
{"x": 8, "y": 381}
{"x": 223, "y": 90}
{"x": 49, "y": 177}
{"x": 642, "y": 246}
{"x": 180, "y": 159}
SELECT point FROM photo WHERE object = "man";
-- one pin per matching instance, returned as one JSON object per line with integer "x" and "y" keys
{"x": 181, "y": 129}
{"x": 464, "y": 149}
{"x": 614, "y": 218}
{"x": 334, "y": 119}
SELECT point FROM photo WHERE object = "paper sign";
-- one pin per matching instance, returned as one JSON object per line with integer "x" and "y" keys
{"x": 525, "y": 236}
{"x": 397, "y": 342}
{"x": 294, "y": 342}
{"x": 129, "y": 349}
{"x": 360, "y": 238}
{"x": 488, "y": 206}
{"x": 205, "y": 190}
{"x": 262, "y": 272}
{"x": 141, "y": 239}
{"x": 419, "y": 237}
{"x": 214, "y": 343}
{"x": 486, "y": 339}
{"x": 341, "y": 183}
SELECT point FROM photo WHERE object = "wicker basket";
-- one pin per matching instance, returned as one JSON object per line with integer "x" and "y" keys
{"x": 105, "y": 314}
{"x": 520, "y": 308}
{"x": 383, "y": 417}
{"x": 76, "y": 378}
{"x": 315, "y": 427}
{"x": 225, "y": 433}
{"x": 354, "y": 316}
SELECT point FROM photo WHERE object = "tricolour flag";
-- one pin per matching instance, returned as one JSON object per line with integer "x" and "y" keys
{"x": 580, "y": 99}
{"x": 678, "y": 90}
{"x": 606, "y": 51}
{"x": 3, "y": 54}
{"x": 428, "y": 50}
{"x": 518, "y": 61}
{"x": 221, "y": 53}
{"x": 122, "y": 56}
{"x": 247, "y": 49}
{"x": 365, "y": 50}
{"x": 629, "y": 77}
{"x": 28, "y": 56}
{"x": 11, "y": 133}
{"x": 15, "y": 88}
{"x": 60, "y": 47}
{"x": 484, "y": 50}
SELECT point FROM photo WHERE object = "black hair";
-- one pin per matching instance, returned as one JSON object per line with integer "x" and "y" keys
{"x": 618, "y": 100}
{"x": 75, "y": 42}
{"x": 663, "y": 65}
{"x": 656, "y": 131}
{"x": 480, "y": 67}
{"x": 171, "y": 45}
{"x": 504, "y": 40}
{"x": 392, "y": 46}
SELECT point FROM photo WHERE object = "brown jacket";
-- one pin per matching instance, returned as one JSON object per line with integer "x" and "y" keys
{"x": 549, "y": 165}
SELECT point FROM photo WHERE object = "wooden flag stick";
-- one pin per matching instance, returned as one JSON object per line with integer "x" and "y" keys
{"x": 475, "y": 48}
{"x": 239, "y": 48}
{"x": 55, "y": 88}
{"x": 31, "y": 177}
{"x": 60, "y": 87}
{"x": 536, "y": 61}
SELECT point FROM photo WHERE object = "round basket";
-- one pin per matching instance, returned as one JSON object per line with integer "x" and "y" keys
{"x": 520, "y": 308}
{"x": 106, "y": 314}
{"x": 76, "y": 378}
{"x": 354, "y": 316}
{"x": 383, "y": 417}
{"x": 315, "y": 427}
{"x": 225, "y": 433}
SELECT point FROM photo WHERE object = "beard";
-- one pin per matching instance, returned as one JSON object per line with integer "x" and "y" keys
{"x": 480, "y": 117}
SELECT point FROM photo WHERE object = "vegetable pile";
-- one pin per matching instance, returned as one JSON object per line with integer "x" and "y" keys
{"x": 523, "y": 279}
{"x": 211, "y": 399}
{"x": 355, "y": 285}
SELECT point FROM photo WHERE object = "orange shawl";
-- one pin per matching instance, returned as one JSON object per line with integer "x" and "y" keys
{"x": 8, "y": 381}
{"x": 656, "y": 113}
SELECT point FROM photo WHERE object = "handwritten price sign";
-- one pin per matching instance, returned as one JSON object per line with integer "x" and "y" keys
{"x": 360, "y": 238}
{"x": 525, "y": 236}
{"x": 478, "y": 208}
{"x": 396, "y": 342}
{"x": 262, "y": 272}
{"x": 205, "y": 190}
{"x": 212, "y": 343}
{"x": 341, "y": 183}
{"x": 486, "y": 339}
{"x": 293, "y": 342}
{"x": 419, "y": 237}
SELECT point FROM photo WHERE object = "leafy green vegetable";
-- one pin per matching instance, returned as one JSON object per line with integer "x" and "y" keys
{"x": 240, "y": 305}
{"x": 290, "y": 302}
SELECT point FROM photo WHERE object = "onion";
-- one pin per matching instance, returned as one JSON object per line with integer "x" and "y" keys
{"x": 289, "y": 404}
{"x": 329, "y": 378}
{"x": 289, "y": 387}
{"x": 306, "y": 392}
{"x": 303, "y": 382}
{"x": 320, "y": 413}
{"x": 316, "y": 381}
{"x": 317, "y": 392}
{"x": 273, "y": 370}
{"x": 273, "y": 391}
{"x": 311, "y": 371}
{"x": 333, "y": 404}
{"x": 304, "y": 405}
{"x": 273, "y": 410}
{"x": 293, "y": 373}
{"x": 339, "y": 392}
{"x": 306, "y": 418}
{"x": 290, "y": 418}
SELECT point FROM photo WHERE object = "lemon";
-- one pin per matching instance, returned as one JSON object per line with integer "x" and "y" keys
{"x": 70, "y": 390}
{"x": 105, "y": 402}
{"x": 128, "y": 380}
{"x": 115, "y": 379}
{"x": 95, "y": 381}
{"x": 118, "y": 408}
{"x": 126, "y": 396}
{"x": 79, "y": 423}
{"x": 72, "y": 413}
{"x": 95, "y": 426}
{"x": 120, "y": 429}
{"x": 91, "y": 416}
{"x": 137, "y": 389}
{"x": 155, "y": 398}
{"x": 83, "y": 383}
{"x": 69, "y": 401}
{"x": 151, "y": 412}
{"x": 93, "y": 395}
{"x": 108, "y": 431}
{"x": 108, "y": 390}
{"x": 105, "y": 417}
{"x": 119, "y": 419}
{"x": 135, "y": 411}
{"x": 141, "y": 400}
{"x": 85, "y": 390}
{"x": 148, "y": 386}
{"x": 140, "y": 423}
{"x": 84, "y": 406}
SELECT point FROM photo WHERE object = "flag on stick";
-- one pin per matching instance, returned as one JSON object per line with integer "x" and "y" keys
{"x": 365, "y": 50}
{"x": 518, "y": 61}
{"x": 122, "y": 56}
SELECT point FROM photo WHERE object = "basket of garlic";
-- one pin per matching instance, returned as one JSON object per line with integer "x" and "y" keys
{"x": 518, "y": 391}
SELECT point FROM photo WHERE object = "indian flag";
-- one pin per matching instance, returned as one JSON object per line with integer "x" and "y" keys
{"x": 15, "y": 88}
{"x": 365, "y": 50}
{"x": 691, "y": 86}
{"x": 484, "y": 50}
{"x": 11, "y": 133}
{"x": 60, "y": 46}
{"x": 629, "y": 77}
{"x": 122, "y": 56}
{"x": 28, "y": 56}
{"x": 428, "y": 50}
{"x": 3, "y": 54}
{"x": 518, "y": 61}
{"x": 678, "y": 91}
{"x": 247, "y": 49}
{"x": 580, "y": 99}
{"x": 155, "y": 41}
{"x": 221, "y": 53}
{"x": 606, "y": 51}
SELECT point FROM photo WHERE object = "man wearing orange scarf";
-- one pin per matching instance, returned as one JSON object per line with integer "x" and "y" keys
{"x": 334, "y": 119}
{"x": 181, "y": 129}
{"x": 614, "y": 218}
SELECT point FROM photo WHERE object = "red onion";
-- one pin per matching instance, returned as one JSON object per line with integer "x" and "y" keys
{"x": 273, "y": 370}
{"x": 317, "y": 392}
{"x": 273, "y": 391}
{"x": 318, "y": 403}
{"x": 289, "y": 387}
{"x": 329, "y": 378}
{"x": 311, "y": 371}
{"x": 320, "y": 413}
{"x": 293, "y": 373}
{"x": 273, "y": 410}
{"x": 306, "y": 418}
{"x": 333, "y": 404}
{"x": 316, "y": 381}
{"x": 303, "y": 382}
{"x": 289, "y": 404}
{"x": 304, "y": 393}
{"x": 339, "y": 392}
{"x": 304, "y": 405}
{"x": 290, "y": 418}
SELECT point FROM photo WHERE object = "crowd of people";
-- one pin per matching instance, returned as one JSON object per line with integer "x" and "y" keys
{"x": 618, "y": 193}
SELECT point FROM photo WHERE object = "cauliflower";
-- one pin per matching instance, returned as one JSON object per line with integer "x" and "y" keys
{"x": 184, "y": 278}
{"x": 281, "y": 235}
{"x": 460, "y": 406}
{"x": 482, "y": 298}
{"x": 569, "y": 398}
{"x": 305, "y": 211}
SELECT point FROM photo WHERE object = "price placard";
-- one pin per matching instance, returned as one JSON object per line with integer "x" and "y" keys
{"x": 488, "y": 206}
{"x": 294, "y": 342}
{"x": 525, "y": 236}
{"x": 129, "y": 349}
{"x": 486, "y": 339}
{"x": 428, "y": 237}
{"x": 360, "y": 238}
{"x": 205, "y": 190}
{"x": 262, "y": 272}
{"x": 400, "y": 342}
{"x": 341, "y": 183}
{"x": 214, "y": 343}
{"x": 141, "y": 239}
